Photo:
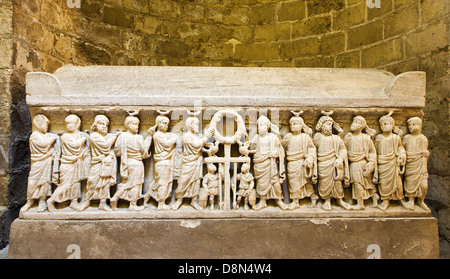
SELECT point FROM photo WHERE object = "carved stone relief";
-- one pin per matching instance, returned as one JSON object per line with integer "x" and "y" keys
{"x": 126, "y": 141}
{"x": 316, "y": 167}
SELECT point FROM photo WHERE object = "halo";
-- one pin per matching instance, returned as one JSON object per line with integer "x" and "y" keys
{"x": 133, "y": 112}
{"x": 297, "y": 113}
{"x": 327, "y": 113}
{"x": 194, "y": 113}
{"x": 164, "y": 111}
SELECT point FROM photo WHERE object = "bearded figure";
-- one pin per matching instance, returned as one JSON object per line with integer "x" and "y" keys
{"x": 102, "y": 174}
{"x": 363, "y": 162}
{"x": 332, "y": 164}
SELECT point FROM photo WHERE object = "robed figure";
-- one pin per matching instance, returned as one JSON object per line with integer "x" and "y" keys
{"x": 363, "y": 162}
{"x": 332, "y": 163}
{"x": 268, "y": 164}
{"x": 416, "y": 173}
{"x": 191, "y": 166}
{"x": 43, "y": 149}
{"x": 132, "y": 150}
{"x": 74, "y": 164}
{"x": 163, "y": 162}
{"x": 301, "y": 162}
{"x": 391, "y": 162}
{"x": 102, "y": 174}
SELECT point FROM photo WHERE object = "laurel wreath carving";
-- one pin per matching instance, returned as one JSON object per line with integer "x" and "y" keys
{"x": 241, "y": 130}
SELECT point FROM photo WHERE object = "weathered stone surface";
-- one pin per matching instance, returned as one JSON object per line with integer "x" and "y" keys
{"x": 348, "y": 60}
{"x": 311, "y": 26}
{"x": 302, "y": 47}
{"x": 386, "y": 7}
{"x": 118, "y": 17}
{"x": 365, "y": 34}
{"x": 426, "y": 40}
{"x": 181, "y": 86}
{"x": 402, "y": 21}
{"x": 349, "y": 17}
{"x": 386, "y": 53}
{"x": 333, "y": 43}
{"x": 292, "y": 11}
{"x": 324, "y": 6}
{"x": 231, "y": 238}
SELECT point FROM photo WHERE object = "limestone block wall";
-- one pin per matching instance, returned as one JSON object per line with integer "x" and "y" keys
{"x": 6, "y": 50}
{"x": 402, "y": 35}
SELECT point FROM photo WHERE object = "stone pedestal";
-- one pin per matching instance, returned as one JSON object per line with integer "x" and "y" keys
{"x": 409, "y": 237}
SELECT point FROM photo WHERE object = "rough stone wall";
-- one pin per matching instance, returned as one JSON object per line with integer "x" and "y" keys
{"x": 403, "y": 35}
{"x": 6, "y": 50}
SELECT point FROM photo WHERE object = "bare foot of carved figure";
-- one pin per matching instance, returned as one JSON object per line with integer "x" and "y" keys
{"x": 177, "y": 204}
{"x": 408, "y": 204}
{"x": 384, "y": 205}
{"x": 42, "y": 206}
{"x": 344, "y": 205}
{"x": 260, "y": 205}
{"x": 294, "y": 205}
{"x": 282, "y": 205}
{"x": 27, "y": 205}
{"x": 421, "y": 203}
{"x": 327, "y": 205}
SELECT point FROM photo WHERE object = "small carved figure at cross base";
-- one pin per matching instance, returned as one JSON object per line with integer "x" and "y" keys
{"x": 246, "y": 188}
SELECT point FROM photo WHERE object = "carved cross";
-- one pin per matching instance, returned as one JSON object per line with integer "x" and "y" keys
{"x": 227, "y": 159}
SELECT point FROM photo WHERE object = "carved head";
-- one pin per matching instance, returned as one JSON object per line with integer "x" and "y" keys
{"x": 325, "y": 125}
{"x": 297, "y": 124}
{"x": 192, "y": 124}
{"x": 73, "y": 123}
{"x": 263, "y": 125}
{"x": 359, "y": 124}
{"x": 211, "y": 168}
{"x": 40, "y": 123}
{"x": 415, "y": 125}
{"x": 163, "y": 123}
{"x": 245, "y": 168}
{"x": 132, "y": 124}
{"x": 100, "y": 125}
{"x": 387, "y": 123}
